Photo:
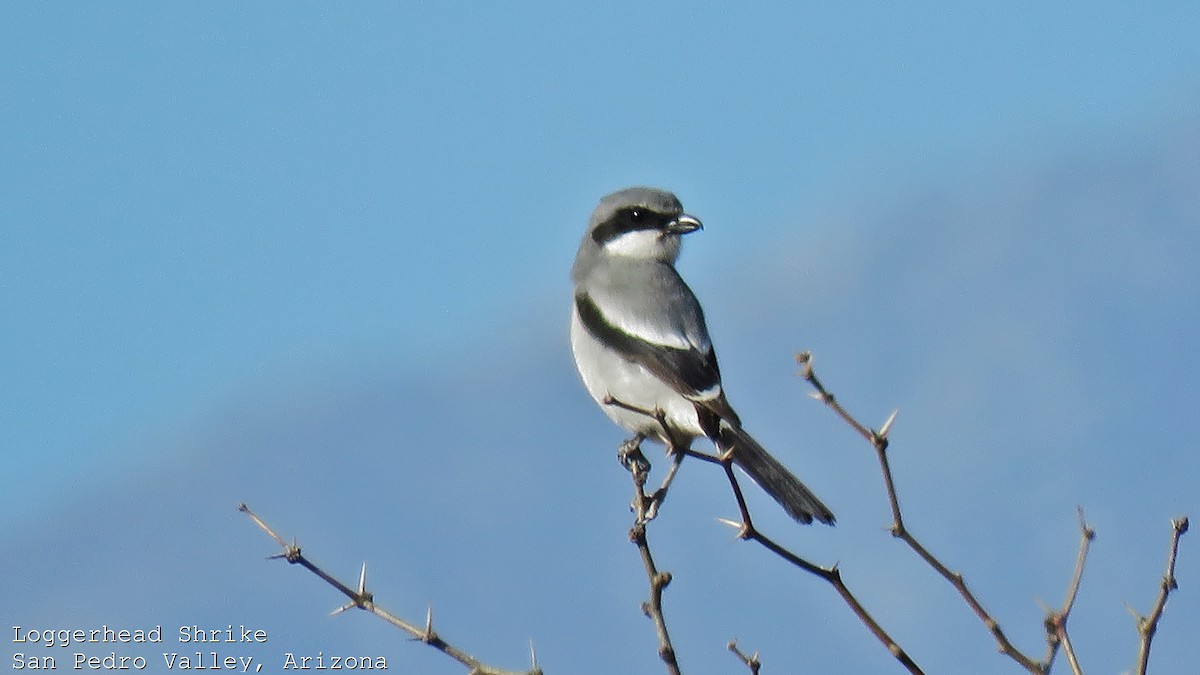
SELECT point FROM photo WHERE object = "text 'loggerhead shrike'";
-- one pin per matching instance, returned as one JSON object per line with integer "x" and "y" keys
{"x": 639, "y": 338}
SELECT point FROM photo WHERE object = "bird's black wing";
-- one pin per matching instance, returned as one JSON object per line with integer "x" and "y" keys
{"x": 688, "y": 370}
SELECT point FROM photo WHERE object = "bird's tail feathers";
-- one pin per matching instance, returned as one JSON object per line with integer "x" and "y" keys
{"x": 772, "y": 476}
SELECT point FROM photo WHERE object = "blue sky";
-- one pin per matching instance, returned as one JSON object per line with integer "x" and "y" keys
{"x": 316, "y": 259}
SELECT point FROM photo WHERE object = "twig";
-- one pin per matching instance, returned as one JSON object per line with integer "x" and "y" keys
{"x": 750, "y": 660}
{"x": 1056, "y": 621}
{"x": 747, "y": 531}
{"x": 630, "y": 455}
{"x": 1069, "y": 650}
{"x": 645, "y": 507}
{"x": 1147, "y": 625}
{"x": 639, "y": 469}
{"x": 879, "y": 441}
{"x": 362, "y": 599}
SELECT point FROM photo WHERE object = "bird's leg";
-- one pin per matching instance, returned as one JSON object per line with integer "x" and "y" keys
{"x": 676, "y": 450}
{"x": 660, "y": 494}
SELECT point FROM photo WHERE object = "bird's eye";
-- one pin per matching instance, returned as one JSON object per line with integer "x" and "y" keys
{"x": 636, "y": 215}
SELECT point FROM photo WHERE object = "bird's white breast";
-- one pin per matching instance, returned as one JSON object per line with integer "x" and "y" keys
{"x": 606, "y": 372}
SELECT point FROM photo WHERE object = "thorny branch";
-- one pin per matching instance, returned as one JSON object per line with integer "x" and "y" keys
{"x": 750, "y": 660}
{"x": 879, "y": 441}
{"x": 644, "y": 504}
{"x": 832, "y": 575}
{"x": 362, "y": 599}
{"x": 1147, "y": 625}
{"x": 1056, "y": 621}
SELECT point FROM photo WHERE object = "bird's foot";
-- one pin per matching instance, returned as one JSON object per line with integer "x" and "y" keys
{"x": 631, "y": 457}
{"x": 645, "y": 506}
{"x": 651, "y": 504}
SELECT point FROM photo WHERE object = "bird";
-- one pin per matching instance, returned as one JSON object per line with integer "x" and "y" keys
{"x": 641, "y": 345}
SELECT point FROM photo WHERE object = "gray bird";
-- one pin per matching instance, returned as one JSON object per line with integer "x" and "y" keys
{"x": 639, "y": 337}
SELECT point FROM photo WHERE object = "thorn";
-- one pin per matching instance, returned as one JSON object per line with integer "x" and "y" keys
{"x": 362, "y": 580}
{"x": 887, "y": 426}
{"x": 1134, "y": 613}
{"x": 339, "y": 610}
{"x": 532, "y": 655}
{"x": 429, "y": 619}
{"x": 1089, "y": 533}
{"x": 817, "y": 396}
{"x": 744, "y": 529}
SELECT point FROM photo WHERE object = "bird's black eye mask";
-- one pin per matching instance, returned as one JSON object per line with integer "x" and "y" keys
{"x": 630, "y": 219}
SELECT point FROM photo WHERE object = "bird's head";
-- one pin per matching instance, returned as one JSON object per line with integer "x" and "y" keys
{"x": 639, "y": 223}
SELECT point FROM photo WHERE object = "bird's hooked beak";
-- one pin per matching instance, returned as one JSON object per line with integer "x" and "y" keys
{"x": 684, "y": 224}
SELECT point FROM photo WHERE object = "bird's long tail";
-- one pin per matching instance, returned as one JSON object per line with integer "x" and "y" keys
{"x": 773, "y": 477}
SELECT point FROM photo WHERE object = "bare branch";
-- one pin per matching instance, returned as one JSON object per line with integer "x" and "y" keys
{"x": 1056, "y": 621}
{"x": 1147, "y": 625}
{"x": 1069, "y": 650}
{"x": 832, "y": 575}
{"x": 364, "y": 600}
{"x": 631, "y": 456}
{"x": 750, "y": 660}
{"x": 639, "y": 469}
{"x": 879, "y": 441}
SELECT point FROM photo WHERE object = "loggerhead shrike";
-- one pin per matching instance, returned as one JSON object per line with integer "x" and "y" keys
{"x": 639, "y": 338}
